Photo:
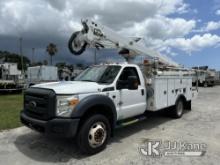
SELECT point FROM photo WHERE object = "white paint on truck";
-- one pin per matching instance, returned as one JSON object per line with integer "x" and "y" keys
{"x": 166, "y": 90}
{"x": 129, "y": 103}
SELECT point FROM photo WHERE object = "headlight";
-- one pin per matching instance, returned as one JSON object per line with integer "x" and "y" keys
{"x": 65, "y": 105}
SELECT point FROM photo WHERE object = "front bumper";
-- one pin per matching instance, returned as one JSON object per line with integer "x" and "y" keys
{"x": 57, "y": 127}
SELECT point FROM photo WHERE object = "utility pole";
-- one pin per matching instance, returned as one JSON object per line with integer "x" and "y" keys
{"x": 33, "y": 51}
{"x": 21, "y": 54}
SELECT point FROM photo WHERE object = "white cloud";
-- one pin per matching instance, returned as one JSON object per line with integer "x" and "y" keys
{"x": 210, "y": 26}
{"x": 217, "y": 12}
{"x": 184, "y": 8}
{"x": 195, "y": 43}
{"x": 60, "y": 18}
{"x": 55, "y": 20}
{"x": 116, "y": 13}
{"x": 213, "y": 26}
{"x": 159, "y": 28}
{"x": 171, "y": 6}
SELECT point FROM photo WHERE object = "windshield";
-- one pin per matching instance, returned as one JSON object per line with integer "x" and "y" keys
{"x": 99, "y": 74}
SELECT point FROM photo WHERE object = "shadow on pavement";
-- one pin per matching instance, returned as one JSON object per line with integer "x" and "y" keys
{"x": 44, "y": 149}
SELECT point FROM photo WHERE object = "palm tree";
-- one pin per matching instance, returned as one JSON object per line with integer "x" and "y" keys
{"x": 51, "y": 50}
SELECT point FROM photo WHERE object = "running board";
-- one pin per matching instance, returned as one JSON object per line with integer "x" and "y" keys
{"x": 131, "y": 121}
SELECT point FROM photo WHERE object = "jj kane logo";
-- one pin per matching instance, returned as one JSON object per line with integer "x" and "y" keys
{"x": 158, "y": 148}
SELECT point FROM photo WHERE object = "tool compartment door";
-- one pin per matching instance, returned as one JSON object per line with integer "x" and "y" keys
{"x": 171, "y": 92}
{"x": 161, "y": 93}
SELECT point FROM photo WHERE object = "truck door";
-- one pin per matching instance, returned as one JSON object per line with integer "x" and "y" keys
{"x": 131, "y": 102}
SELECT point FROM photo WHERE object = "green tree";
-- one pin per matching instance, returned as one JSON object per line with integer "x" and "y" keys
{"x": 39, "y": 63}
{"x": 51, "y": 50}
{"x": 45, "y": 62}
{"x": 6, "y": 56}
{"x": 70, "y": 67}
{"x": 79, "y": 65}
{"x": 61, "y": 65}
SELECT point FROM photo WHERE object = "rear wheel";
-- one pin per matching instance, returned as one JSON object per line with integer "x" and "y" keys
{"x": 94, "y": 134}
{"x": 177, "y": 112}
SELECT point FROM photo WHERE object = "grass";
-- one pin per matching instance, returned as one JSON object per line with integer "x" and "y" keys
{"x": 10, "y": 107}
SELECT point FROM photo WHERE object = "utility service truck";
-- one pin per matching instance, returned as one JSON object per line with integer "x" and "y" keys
{"x": 107, "y": 96}
{"x": 41, "y": 74}
{"x": 11, "y": 79}
{"x": 204, "y": 77}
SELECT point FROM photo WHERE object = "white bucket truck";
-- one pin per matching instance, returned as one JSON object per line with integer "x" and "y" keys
{"x": 106, "y": 96}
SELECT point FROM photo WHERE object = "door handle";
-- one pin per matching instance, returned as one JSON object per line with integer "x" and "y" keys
{"x": 142, "y": 92}
{"x": 120, "y": 103}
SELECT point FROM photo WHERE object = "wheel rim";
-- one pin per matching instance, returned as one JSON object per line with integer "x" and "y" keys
{"x": 179, "y": 108}
{"x": 77, "y": 44}
{"x": 97, "y": 134}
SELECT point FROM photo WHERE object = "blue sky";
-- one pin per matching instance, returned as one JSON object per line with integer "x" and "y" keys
{"x": 188, "y": 31}
{"x": 206, "y": 11}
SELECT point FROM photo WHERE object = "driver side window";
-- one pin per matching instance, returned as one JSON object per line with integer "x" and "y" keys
{"x": 123, "y": 79}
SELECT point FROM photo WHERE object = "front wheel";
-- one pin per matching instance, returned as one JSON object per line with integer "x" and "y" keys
{"x": 94, "y": 134}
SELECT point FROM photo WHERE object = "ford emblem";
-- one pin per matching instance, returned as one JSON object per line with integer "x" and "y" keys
{"x": 32, "y": 104}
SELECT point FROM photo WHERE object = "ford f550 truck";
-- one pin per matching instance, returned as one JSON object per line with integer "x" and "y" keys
{"x": 100, "y": 99}
{"x": 106, "y": 96}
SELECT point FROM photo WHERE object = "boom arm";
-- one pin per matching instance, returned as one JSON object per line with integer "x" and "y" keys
{"x": 95, "y": 35}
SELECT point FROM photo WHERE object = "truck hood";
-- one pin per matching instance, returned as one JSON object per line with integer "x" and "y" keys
{"x": 71, "y": 87}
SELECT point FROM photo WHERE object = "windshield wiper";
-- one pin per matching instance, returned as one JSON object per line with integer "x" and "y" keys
{"x": 103, "y": 82}
{"x": 88, "y": 80}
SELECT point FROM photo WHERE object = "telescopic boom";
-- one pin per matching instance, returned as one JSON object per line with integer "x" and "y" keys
{"x": 95, "y": 35}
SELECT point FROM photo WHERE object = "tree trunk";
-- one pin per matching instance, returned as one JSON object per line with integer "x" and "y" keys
{"x": 51, "y": 60}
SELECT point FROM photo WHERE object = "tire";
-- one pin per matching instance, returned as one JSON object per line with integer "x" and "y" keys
{"x": 70, "y": 45}
{"x": 177, "y": 112}
{"x": 188, "y": 105}
{"x": 94, "y": 134}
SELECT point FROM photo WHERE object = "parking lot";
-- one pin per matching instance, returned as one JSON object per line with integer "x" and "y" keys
{"x": 22, "y": 146}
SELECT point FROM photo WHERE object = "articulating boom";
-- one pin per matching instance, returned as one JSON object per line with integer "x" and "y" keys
{"x": 95, "y": 35}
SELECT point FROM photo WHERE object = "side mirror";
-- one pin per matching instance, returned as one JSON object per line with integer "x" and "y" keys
{"x": 132, "y": 83}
